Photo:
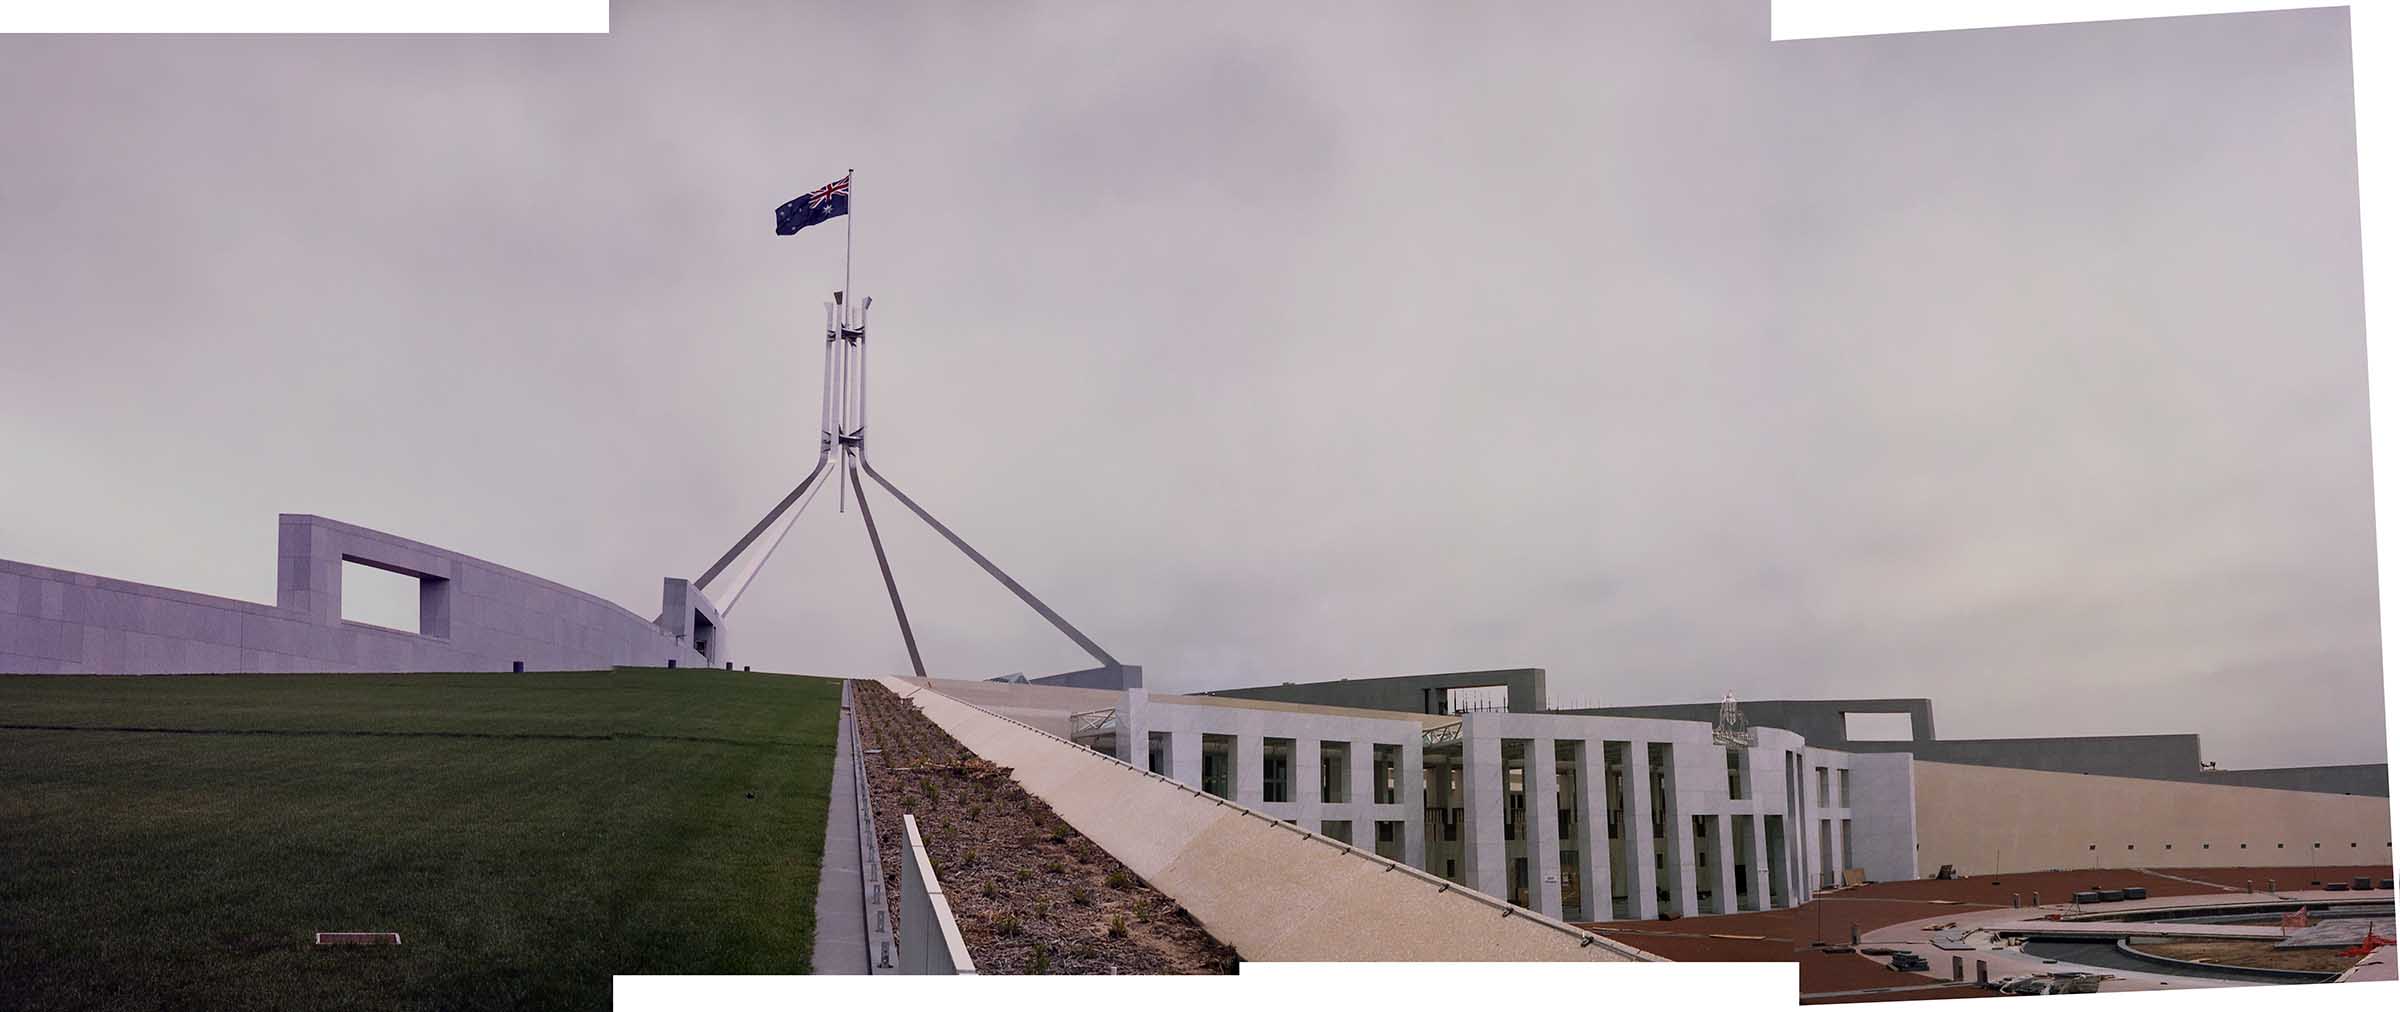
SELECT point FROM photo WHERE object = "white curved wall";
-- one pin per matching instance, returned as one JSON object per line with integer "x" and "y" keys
{"x": 478, "y": 616}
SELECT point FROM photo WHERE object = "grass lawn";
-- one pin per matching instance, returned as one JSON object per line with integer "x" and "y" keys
{"x": 175, "y": 842}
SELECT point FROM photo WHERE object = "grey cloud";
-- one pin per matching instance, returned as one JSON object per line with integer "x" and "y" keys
{"x": 2022, "y": 369}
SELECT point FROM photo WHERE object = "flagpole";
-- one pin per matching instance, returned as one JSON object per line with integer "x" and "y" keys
{"x": 849, "y": 216}
{"x": 849, "y": 300}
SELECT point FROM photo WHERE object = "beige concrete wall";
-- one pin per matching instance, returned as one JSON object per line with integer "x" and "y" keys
{"x": 1988, "y": 820}
{"x": 1270, "y": 891}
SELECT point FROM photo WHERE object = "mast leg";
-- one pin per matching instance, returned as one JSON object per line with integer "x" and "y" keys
{"x": 738, "y": 546}
{"x": 907, "y": 635}
{"x": 1014, "y": 587}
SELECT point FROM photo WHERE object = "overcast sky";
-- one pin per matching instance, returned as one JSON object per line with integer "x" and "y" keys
{"x": 2022, "y": 369}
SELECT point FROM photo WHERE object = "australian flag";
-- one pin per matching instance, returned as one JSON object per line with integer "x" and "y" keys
{"x": 826, "y": 203}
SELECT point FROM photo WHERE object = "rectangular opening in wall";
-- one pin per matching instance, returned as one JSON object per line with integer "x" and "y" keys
{"x": 1745, "y": 858}
{"x": 1338, "y": 829}
{"x": 1475, "y": 699}
{"x": 1565, "y": 757}
{"x": 380, "y": 597}
{"x": 1277, "y": 769}
{"x": 1386, "y": 772}
{"x": 1333, "y": 772}
{"x": 1708, "y": 859}
{"x": 704, "y": 636}
{"x": 1161, "y": 749}
{"x": 1826, "y": 860}
{"x": 1779, "y": 881}
{"x": 1216, "y": 764}
{"x": 1514, "y": 755}
{"x": 1879, "y": 726}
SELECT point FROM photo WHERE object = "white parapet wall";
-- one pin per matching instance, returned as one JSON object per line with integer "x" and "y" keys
{"x": 929, "y": 939}
{"x": 1273, "y": 891}
{"x": 1991, "y": 820}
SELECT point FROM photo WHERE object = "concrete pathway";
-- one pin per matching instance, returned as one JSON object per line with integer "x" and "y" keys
{"x": 2135, "y": 929}
{"x": 841, "y": 902}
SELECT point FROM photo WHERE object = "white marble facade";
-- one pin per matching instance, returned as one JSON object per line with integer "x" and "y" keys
{"x": 1676, "y": 823}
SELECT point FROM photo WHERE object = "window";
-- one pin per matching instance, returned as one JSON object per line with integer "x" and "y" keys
{"x": 1276, "y": 768}
{"x": 1734, "y": 762}
{"x": 1824, "y": 787}
{"x": 1842, "y": 778}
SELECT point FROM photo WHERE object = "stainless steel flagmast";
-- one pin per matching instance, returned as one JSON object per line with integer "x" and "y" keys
{"x": 843, "y": 431}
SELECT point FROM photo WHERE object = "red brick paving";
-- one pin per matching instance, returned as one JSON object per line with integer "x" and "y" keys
{"x": 1849, "y": 971}
{"x": 1961, "y": 991}
{"x": 1688, "y": 939}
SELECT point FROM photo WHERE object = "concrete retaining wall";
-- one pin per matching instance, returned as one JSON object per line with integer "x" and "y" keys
{"x": 1990, "y": 820}
{"x": 1269, "y": 889}
{"x": 473, "y": 616}
{"x": 929, "y": 938}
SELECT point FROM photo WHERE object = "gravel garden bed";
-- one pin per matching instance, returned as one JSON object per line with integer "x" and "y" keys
{"x": 1031, "y": 895}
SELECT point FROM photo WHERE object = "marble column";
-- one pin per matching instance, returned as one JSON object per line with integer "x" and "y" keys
{"x": 1484, "y": 848}
{"x": 1541, "y": 826}
{"x": 1591, "y": 829}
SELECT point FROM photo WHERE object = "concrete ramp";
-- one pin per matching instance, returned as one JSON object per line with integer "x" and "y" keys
{"x": 1271, "y": 891}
